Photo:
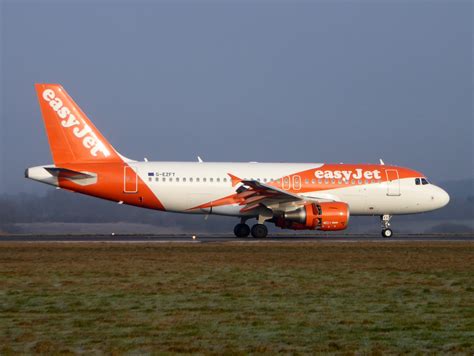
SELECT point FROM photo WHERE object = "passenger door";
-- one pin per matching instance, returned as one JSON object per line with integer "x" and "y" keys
{"x": 130, "y": 180}
{"x": 393, "y": 182}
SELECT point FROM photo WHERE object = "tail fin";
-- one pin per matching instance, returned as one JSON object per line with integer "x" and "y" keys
{"x": 72, "y": 136}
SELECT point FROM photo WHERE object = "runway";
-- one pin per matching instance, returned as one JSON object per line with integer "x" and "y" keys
{"x": 230, "y": 239}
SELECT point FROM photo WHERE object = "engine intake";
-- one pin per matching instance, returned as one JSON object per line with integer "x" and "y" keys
{"x": 322, "y": 216}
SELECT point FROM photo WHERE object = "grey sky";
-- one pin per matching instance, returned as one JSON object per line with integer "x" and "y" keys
{"x": 246, "y": 81}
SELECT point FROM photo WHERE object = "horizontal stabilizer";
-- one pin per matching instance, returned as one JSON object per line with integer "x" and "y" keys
{"x": 68, "y": 173}
{"x": 81, "y": 178}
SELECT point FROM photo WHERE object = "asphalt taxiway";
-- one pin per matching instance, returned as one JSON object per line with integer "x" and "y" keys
{"x": 228, "y": 238}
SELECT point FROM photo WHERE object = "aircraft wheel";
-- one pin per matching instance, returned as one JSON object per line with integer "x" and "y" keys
{"x": 241, "y": 230}
{"x": 387, "y": 233}
{"x": 259, "y": 231}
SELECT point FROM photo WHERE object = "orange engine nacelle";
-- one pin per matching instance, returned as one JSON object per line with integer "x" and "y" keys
{"x": 322, "y": 216}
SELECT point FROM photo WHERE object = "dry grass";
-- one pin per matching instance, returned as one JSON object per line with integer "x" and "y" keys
{"x": 237, "y": 298}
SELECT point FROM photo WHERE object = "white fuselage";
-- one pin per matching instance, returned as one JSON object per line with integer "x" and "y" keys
{"x": 184, "y": 185}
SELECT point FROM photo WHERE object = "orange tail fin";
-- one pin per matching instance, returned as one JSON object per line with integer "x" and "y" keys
{"x": 72, "y": 136}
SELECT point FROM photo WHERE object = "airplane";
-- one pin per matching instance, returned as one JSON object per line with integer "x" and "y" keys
{"x": 298, "y": 196}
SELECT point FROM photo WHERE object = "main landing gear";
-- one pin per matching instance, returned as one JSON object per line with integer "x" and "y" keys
{"x": 386, "y": 231}
{"x": 241, "y": 230}
{"x": 257, "y": 231}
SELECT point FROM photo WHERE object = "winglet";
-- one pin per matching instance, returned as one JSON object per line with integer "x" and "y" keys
{"x": 382, "y": 162}
{"x": 235, "y": 180}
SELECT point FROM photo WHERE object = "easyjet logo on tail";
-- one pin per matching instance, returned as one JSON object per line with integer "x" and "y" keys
{"x": 79, "y": 128}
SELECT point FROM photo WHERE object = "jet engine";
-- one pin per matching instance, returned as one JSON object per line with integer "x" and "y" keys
{"x": 330, "y": 216}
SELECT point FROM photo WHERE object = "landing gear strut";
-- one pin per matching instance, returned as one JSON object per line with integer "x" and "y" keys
{"x": 259, "y": 230}
{"x": 386, "y": 231}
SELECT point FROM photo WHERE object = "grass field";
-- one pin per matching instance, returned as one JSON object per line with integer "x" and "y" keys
{"x": 237, "y": 298}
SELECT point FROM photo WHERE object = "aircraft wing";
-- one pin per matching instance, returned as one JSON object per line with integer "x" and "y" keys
{"x": 255, "y": 194}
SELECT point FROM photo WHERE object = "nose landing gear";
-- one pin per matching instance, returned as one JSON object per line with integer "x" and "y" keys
{"x": 386, "y": 231}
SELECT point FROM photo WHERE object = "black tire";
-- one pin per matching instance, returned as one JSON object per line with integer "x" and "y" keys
{"x": 241, "y": 230}
{"x": 387, "y": 233}
{"x": 259, "y": 231}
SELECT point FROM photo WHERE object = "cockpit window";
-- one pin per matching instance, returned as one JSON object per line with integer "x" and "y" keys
{"x": 421, "y": 180}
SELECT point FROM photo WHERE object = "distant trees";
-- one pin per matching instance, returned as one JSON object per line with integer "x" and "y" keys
{"x": 64, "y": 206}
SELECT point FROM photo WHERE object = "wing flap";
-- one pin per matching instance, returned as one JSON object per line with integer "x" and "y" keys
{"x": 255, "y": 194}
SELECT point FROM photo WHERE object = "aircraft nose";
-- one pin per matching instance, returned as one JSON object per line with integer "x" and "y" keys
{"x": 441, "y": 197}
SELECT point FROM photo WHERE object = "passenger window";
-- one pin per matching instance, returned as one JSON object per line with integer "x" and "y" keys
{"x": 190, "y": 179}
{"x": 177, "y": 179}
{"x": 225, "y": 180}
{"x": 306, "y": 181}
{"x": 218, "y": 180}
{"x": 157, "y": 179}
{"x": 417, "y": 181}
{"x": 149, "y": 179}
{"x": 197, "y": 179}
{"x": 171, "y": 179}
{"x": 184, "y": 179}
{"x": 164, "y": 179}
{"x": 424, "y": 181}
{"x": 204, "y": 180}
{"x": 211, "y": 179}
